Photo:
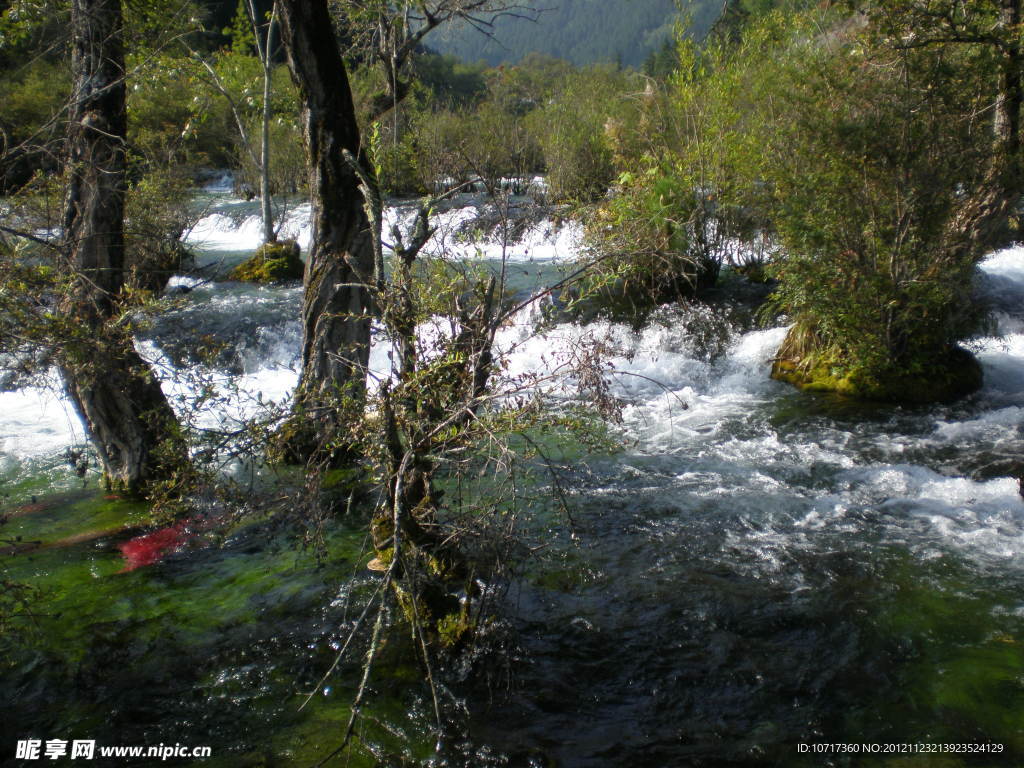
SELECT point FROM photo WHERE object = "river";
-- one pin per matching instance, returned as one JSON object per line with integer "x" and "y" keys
{"x": 755, "y": 569}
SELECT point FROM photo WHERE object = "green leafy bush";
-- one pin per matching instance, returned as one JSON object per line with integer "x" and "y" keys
{"x": 682, "y": 205}
{"x": 872, "y": 154}
{"x": 570, "y": 128}
{"x": 31, "y": 128}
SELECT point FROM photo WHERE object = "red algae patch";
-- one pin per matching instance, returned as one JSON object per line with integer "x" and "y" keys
{"x": 152, "y": 547}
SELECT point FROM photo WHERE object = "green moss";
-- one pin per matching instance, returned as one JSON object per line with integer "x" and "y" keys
{"x": 944, "y": 378}
{"x": 444, "y": 618}
{"x": 272, "y": 263}
{"x": 453, "y": 627}
{"x": 73, "y": 515}
{"x": 344, "y": 479}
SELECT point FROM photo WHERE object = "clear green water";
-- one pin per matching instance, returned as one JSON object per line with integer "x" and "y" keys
{"x": 214, "y": 646}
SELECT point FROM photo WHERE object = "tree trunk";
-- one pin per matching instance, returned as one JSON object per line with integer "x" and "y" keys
{"x": 126, "y": 415}
{"x": 268, "y": 214}
{"x": 1010, "y": 99}
{"x": 265, "y": 50}
{"x": 339, "y": 270}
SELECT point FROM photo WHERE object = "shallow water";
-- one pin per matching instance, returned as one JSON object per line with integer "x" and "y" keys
{"x": 756, "y": 568}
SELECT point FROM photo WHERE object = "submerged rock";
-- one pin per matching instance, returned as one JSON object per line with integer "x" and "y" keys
{"x": 947, "y": 377}
{"x": 272, "y": 263}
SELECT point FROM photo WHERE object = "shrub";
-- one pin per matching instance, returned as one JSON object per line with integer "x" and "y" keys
{"x": 570, "y": 129}
{"x": 30, "y": 128}
{"x": 877, "y": 156}
{"x": 682, "y": 206}
{"x": 158, "y": 210}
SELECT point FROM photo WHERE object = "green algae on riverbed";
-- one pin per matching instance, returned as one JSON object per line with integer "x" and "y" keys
{"x": 71, "y": 517}
{"x": 220, "y": 645}
{"x": 955, "y": 641}
{"x": 941, "y": 663}
{"x": 214, "y": 646}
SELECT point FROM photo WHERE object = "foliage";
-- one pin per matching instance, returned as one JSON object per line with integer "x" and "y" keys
{"x": 158, "y": 212}
{"x": 33, "y": 96}
{"x": 837, "y": 155}
{"x": 570, "y": 128}
{"x": 240, "y": 32}
{"x": 154, "y": 26}
{"x": 576, "y": 155}
{"x": 451, "y": 82}
{"x": 172, "y": 116}
{"x": 287, "y": 156}
{"x": 31, "y": 29}
{"x": 681, "y": 207}
{"x": 869, "y": 173}
{"x": 29, "y": 327}
{"x": 543, "y": 115}
{"x": 662, "y": 62}
{"x": 238, "y": 95}
{"x": 494, "y": 145}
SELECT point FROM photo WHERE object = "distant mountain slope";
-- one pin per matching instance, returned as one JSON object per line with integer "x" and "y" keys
{"x": 580, "y": 31}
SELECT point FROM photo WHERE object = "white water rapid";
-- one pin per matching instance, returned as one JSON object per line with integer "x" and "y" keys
{"x": 713, "y": 425}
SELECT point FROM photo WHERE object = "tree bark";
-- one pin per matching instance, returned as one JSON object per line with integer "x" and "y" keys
{"x": 265, "y": 51}
{"x": 126, "y": 415}
{"x": 268, "y": 214}
{"x": 339, "y": 270}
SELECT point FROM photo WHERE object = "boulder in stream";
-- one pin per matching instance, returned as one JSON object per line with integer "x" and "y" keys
{"x": 272, "y": 263}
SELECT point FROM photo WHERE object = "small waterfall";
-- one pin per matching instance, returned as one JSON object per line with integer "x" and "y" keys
{"x": 466, "y": 228}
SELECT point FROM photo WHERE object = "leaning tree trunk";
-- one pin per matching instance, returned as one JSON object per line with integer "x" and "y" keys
{"x": 336, "y": 302}
{"x": 126, "y": 415}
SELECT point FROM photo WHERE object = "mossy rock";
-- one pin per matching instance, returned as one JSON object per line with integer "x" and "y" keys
{"x": 947, "y": 377}
{"x": 272, "y": 263}
{"x": 442, "y": 606}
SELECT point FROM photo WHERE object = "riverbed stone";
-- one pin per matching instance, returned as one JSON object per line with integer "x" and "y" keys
{"x": 948, "y": 376}
{"x": 277, "y": 262}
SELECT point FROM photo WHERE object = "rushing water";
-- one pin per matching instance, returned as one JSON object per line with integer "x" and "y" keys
{"x": 757, "y": 568}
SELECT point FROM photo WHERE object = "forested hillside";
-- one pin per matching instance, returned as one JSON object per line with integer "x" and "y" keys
{"x": 581, "y": 31}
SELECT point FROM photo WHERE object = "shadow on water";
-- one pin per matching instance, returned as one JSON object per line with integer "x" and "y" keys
{"x": 689, "y": 639}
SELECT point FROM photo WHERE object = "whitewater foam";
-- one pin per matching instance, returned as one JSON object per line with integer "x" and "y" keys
{"x": 470, "y": 230}
{"x": 700, "y": 428}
